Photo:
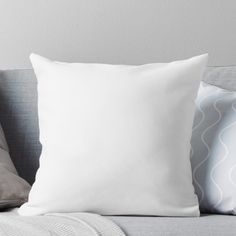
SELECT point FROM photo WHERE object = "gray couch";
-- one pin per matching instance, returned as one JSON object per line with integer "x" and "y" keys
{"x": 18, "y": 116}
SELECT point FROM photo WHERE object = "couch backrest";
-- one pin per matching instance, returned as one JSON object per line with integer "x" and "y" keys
{"x": 19, "y": 119}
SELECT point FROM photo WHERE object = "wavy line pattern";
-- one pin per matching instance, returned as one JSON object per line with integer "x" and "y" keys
{"x": 233, "y": 168}
{"x": 212, "y": 151}
{"x": 195, "y": 169}
{"x": 222, "y": 132}
{"x": 202, "y": 114}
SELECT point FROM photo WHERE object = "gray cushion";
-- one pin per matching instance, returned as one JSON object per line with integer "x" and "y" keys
{"x": 18, "y": 113}
{"x": 224, "y": 77}
{"x": 215, "y": 225}
{"x": 18, "y": 116}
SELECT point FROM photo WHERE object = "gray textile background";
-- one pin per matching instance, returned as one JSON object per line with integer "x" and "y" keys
{"x": 18, "y": 116}
{"x": 18, "y": 113}
{"x": 117, "y": 31}
{"x": 206, "y": 225}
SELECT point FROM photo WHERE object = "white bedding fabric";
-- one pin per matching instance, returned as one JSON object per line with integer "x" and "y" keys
{"x": 69, "y": 224}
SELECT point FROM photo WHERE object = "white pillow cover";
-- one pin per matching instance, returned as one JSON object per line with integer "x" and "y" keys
{"x": 116, "y": 139}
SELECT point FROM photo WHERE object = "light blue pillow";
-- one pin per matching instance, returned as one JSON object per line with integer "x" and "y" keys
{"x": 213, "y": 154}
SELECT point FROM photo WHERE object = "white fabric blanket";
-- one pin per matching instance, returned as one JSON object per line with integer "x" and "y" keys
{"x": 68, "y": 224}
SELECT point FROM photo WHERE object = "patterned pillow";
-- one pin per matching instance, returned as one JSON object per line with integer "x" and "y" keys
{"x": 213, "y": 154}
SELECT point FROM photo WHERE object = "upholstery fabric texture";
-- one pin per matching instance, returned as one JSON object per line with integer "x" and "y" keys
{"x": 213, "y": 153}
{"x": 97, "y": 122}
{"x": 19, "y": 119}
{"x": 205, "y": 225}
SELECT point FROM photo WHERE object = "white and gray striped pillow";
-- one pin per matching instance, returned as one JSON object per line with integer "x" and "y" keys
{"x": 213, "y": 153}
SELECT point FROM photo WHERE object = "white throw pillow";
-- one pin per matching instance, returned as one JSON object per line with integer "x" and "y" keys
{"x": 116, "y": 139}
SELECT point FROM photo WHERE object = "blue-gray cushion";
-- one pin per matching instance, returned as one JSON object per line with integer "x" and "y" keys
{"x": 213, "y": 154}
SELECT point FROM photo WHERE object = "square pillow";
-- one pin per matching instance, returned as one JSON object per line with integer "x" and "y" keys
{"x": 213, "y": 154}
{"x": 116, "y": 139}
{"x": 13, "y": 189}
